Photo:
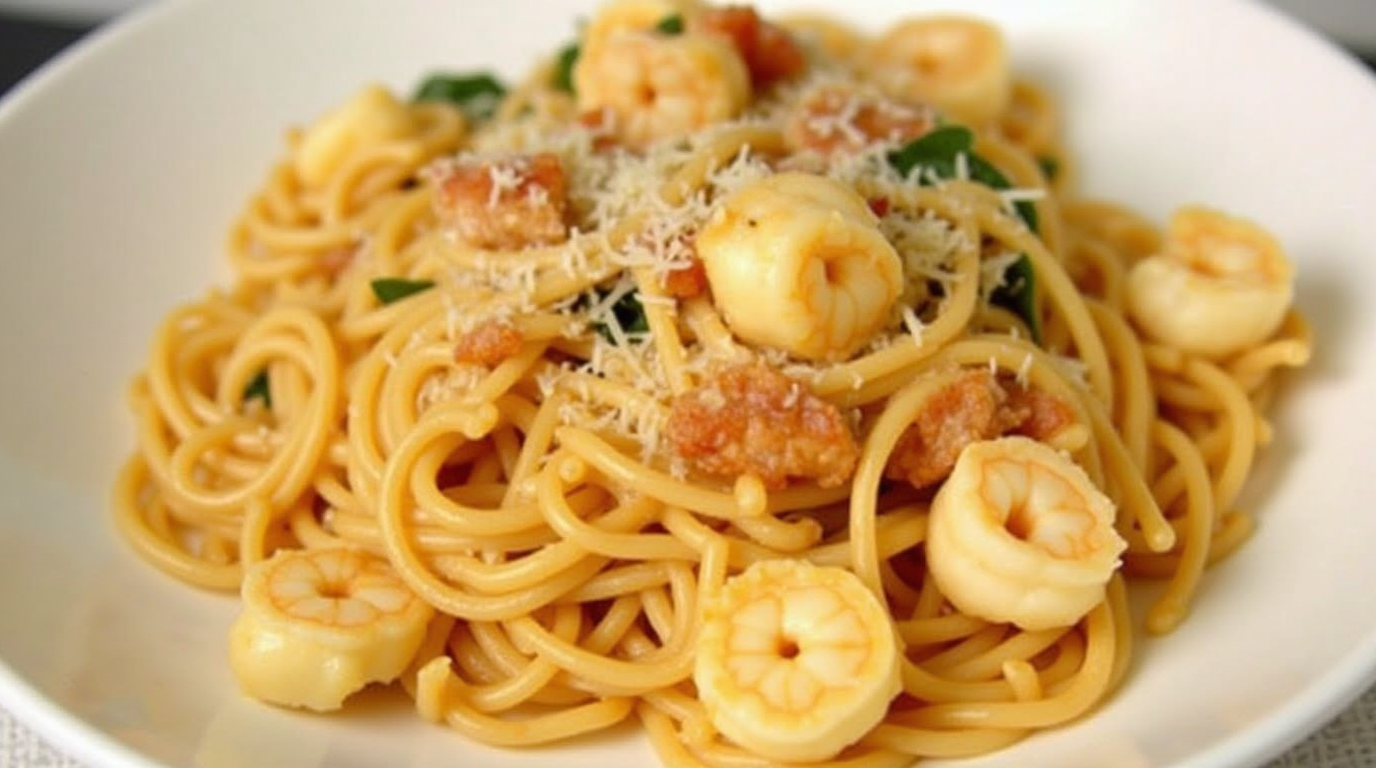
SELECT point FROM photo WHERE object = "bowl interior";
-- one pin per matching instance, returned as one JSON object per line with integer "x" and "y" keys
{"x": 122, "y": 166}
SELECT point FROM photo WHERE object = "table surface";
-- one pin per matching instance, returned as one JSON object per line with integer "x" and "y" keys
{"x": 1349, "y": 741}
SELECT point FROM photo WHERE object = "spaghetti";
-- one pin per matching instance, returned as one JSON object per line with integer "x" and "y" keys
{"x": 535, "y": 386}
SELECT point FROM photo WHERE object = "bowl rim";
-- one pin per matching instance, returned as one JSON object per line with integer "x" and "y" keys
{"x": 1320, "y": 700}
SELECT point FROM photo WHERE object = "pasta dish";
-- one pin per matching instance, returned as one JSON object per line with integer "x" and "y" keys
{"x": 758, "y": 380}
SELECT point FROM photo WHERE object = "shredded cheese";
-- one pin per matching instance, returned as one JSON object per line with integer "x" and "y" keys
{"x": 506, "y": 176}
{"x": 609, "y": 186}
{"x": 1024, "y": 369}
{"x": 994, "y": 273}
{"x": 913, "y": 324}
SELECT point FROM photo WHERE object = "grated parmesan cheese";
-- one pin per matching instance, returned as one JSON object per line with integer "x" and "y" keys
{"x": 449, "y": 384}
{"x": 506, "y": 177}
{"x": 962, "y": 167}
{"x": 1072, "y": 368}
{"x": 1021, "y": 195}
{"x": 607, "y": 186}
{"x": 1024, "y": 369}
{"x": 993, "y": 272}
{"x": 913, "y": 324}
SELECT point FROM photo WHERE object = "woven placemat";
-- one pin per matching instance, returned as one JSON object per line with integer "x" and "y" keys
{"x": 22, "y": 748}
{"x": 1347, "y": 742}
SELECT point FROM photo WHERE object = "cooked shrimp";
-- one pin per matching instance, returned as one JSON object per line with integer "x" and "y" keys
{"x": 1221, "y": 285}
{"x": 507, "y": 203}
{"x": 657, "y": 86}
{"x": 955, "y": 63}
{"x": 621, "y": 16}
{"x": 796, "y": 661}
{"x": 751, "y": 419}
{"x": 1018, "y": 533}
{"x": 797, "y": 261}
{"x": 320, "y": 624}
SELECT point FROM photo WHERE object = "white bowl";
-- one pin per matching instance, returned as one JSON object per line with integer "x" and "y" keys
{"x": 1349, "y": 21}
{"x": 122, "y": 164}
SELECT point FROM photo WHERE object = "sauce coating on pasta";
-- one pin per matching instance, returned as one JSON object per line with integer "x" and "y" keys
{"x": 754, "y": 378}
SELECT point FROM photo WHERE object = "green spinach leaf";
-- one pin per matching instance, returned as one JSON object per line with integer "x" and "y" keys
{"x": 258, "y": 387}
{"x": 1018, "y": 295}
{"x": 1050, "y": 166}
{"x": 390, "y": 289}
{"x": 670, "y": 25}
{"x": 477, "y": 94}
{"x": 936, "y": 154}
{"x": 563, "y": 68}
{"x": 628, "y": 311}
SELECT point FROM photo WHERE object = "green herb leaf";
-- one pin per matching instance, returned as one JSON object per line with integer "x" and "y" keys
{"x": 989, "y": 176}
{"x": 937, "y": 152}
{"x": 477, "y": 94}
{"x": 1050, "y": 166}
{"x": 671, "y": 24}
{"x": 628, "y": 311}
{"x": 390, "y": 289}
{"x": 1018, "y": 295}
{"x": 563, "y": 68}
{"x": 630, "y": 314}
{"x": 258, "y": 387}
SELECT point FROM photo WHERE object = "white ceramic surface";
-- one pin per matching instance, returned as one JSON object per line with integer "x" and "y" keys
{"x": 122, "y": 164}
{"x": 1352, "y": 22}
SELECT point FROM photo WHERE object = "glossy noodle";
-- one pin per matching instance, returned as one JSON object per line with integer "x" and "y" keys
{"x": 755, "y": 379}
